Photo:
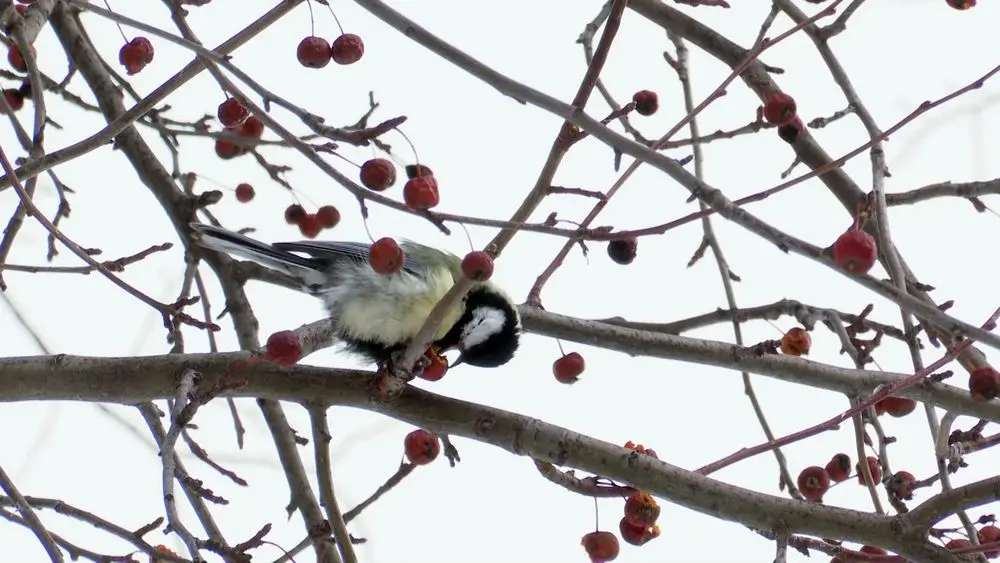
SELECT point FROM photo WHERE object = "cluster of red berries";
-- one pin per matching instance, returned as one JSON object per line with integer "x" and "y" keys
{"x": 637, "y": 527}
{"x": 420, "y": 192}
{"x": 984, "y": 383}
{"x": 135, "y": 55}
{"x": 316, "y": 52}
{"x": 814, "y": 481}
{"x": 236, "y": 118}
{"x": 796, "y": 342}
{"x": 568, "y": 368}
{"x": 310, "y": 224}
{"x": 780, "y": 109}
{"x": 421, "y": 447}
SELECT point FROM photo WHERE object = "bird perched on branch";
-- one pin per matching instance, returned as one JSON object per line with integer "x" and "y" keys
{"x": 376, "y": 315}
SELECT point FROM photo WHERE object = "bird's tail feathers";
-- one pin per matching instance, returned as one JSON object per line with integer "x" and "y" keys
{"x": 306, "y": 269}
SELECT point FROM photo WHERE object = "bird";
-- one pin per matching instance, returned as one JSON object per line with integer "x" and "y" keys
{"x": 374, "y": 315}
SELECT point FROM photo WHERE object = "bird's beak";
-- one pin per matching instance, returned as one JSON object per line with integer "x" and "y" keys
{"x": 458, "y": 361}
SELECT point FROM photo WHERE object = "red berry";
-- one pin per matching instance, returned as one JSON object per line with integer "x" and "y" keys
{"x": 347, "y": 49}
{"x": 228, "y": 149}
{"x": 855, "y": 251}
{"x": 984, "y": 383}
{"x": 646, "y": 102}
{"x": 477, "y": 266}
{"x": 244, "y": 193}
{"x": 957, "y": 543}
{"x": 796, "y": 342}
{"x": 600, "y": 546}
{"x": 417, "y": 170}
{"x": 253, "y": 127}
{"x": 873, "y": 468}
{"x": 378, "y": 174}
{"x": 385, "y": 256}
{"x": 21, "y": 8}
{"x": 436, "y": 369}
{"x": 896, "y": 406}
{"x": 839, "y": 468}
{"x": 990, "y": 534}
{"x": 641, "y": 509}
{"x": 901, "y": 485}
{"x": 789, "y": 132}
{"x": 568, "y": 368}
{"x": 814, "y": 482}
{"x": 16, "y": 58}
{"x": 14, "y": 99}
{"x": 232, "y": 113}
{"x": 421, "y": 447}
{"x": 961, "y": 4}
{"x": 294, "y": 214}
{"x": 637, "y": 535}
{"x": 313, "y": 52}
{"x": 872, "y": 550}
{"x": 283, "y": 348}
{"x": 623, "y": 251}
{"x": 328, "y": 216}
{"x": 779, "y": 108}
{"x": 310, "y": 226}
{"x": 135, "y": 55}
{"x": 421, "y": 193}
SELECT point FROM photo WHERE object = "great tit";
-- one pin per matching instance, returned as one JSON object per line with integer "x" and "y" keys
{"x": 375, "y": 315}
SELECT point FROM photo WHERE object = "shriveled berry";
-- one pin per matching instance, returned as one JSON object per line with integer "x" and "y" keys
{"x": 477, "y": 266}
{"x": 294, "y": 214}
{"x": 623, "y": 251}
{"x": 813, "y": 482}
{"x": 436, "y": 369}
{"x": 779, "y": 108}
{"x": 646, "y": 102}
{"x": 984, "y": 383}
{"x": 796, "y": 342}
{"x": 990, "y": 534}
{"x": 253, "y": 127}
{"x": 901, "y": 485}
{"x": 378, "y": 174}
{"x": 14, "y": 99}
{"x": 421, "y": 193}
{"x": 313, "y": 52}
{"x": 873, "y": 467}
{"x": 637, "y": 535}
{"x": 789, "y": 132}
{"x": 310, "y": 226}
{"x": 839, "y": 467}
{"x": 328, "y": 216}
{"x": 568, "y": 368}
{"x": 228, "y": 149}
{"x": 641, "y": 509}
{"x": 244, "y": 193}
{"x": 957, "y": 543}
{"x": 872, "y": 550}
{"x": 16, "y": 58}
{"x": 600, "y": 546}
{"x": 417, "y": 170}
{"x": 283, "y": 348}
{"x": 421, "y": 447}
{"x": 855, "y": 251}
{"x": 895, "y": 406}
{"x": 347, "y": 49}
{"x": 962, "y": 4}
{"x": 135, "y": 55}
{"x": 385, "y": 256}
{"x": 231, "y": 113}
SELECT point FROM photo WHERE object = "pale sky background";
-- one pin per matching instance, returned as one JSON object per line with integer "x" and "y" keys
{"x": 486, "y": 151}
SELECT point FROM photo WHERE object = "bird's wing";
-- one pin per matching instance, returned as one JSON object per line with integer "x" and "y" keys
{"x": 330, "y": 251}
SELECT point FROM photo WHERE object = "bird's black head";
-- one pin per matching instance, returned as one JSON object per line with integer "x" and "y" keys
{"x": 489, "y": 331}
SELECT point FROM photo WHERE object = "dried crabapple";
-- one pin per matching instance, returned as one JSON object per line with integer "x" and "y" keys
{"x": 313, "y": 52}
{"x": 641, "y": 509}
{"x": 568, "y": 368}
{"x": 135, "y": 55}
{"x": 646, "y": 102}
{"x": 283, "y": 348}
{"x": 984, "y": 383}
{"x": 895, "y": 406}
{"x": 252, "y": 128}
{"x": 421, "y": 447}
{"x": 477, "y": 266}
{"x": 873, "y": 467}
{"x": 796, "y": 342}
{"x": 790, "y": 131}
{"x": 437, "y": 368}
{"x": 839, "y": 467}
{"x": 232, "y": 113}
{"x": 623, "y": 251}
{"x": 16, "y": 58}
{"x": 385, "y": 256}
{"x": 637, "y": 535}
{"x": 347, "y": 49}
{"x": 378, "y": 174}
{"x": 901, "y": 485}
{"x": 813, "y": 482}
{"x": 14, "y": 99}
{"x": 601, "y": 546}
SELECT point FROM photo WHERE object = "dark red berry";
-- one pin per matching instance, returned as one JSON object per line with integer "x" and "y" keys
{"x": 228, "y": 149}
{"x": 895, "y": 406}
{"x": 421, "y": 447}
{"x": 477, "y": 266}
{"x": 855, "y": 251}
{"x": 417, "y": 170}
{"x": 313, "y": 52}
{"x": 244, "y": 192}
{"x": 957, "y": 543}
{"x": 901, "y": 485}
{"x": 839, "y": 468}
{"x": 347, "y": 49}
{"x": 421, "y": 193}
{"x": 14, "y": 99}
{"x": 568, "y": 368}
{"x": 779, "y": 108}
{"x": 962, "y": 4}
{"x": 990, "y": 534}
{"x": 378, "y": 174}
{"x": 294, "y": 214}
{"x": 310, "y": 226}
{"x": 796, "y": 342}
{"x": 984, "y": 383}
{"x": 253, "y": 127}
{"x": 646, "y": 102}
{"x": 135, "y": 55}
{"x": 16, "y": 58}
{"x": 328, "y": 216}
{"x": 600, "y": 546}
{"x": 813, "y": 483}
{"x": 231, "y": 113}
{"x": 385, "y": 256}
{"x": 623, "y": 251}
{"x": 283, "y": 348}
{"x": 873, "y": 467}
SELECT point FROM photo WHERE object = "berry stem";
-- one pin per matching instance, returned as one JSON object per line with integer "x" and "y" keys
{"x": 416, "y": 157}
{"x": 776, "y": 327}
{"x": 312, "y": 20}
{"x": 335, "y": 18}
{"x": 467, "y": 236}
{"x": 120, "y": 30}
{"x": 559, "y": 343}
{"x": 597, "y": 516}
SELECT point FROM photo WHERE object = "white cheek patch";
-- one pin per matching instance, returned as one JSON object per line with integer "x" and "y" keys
{"x": 486, "y": 321}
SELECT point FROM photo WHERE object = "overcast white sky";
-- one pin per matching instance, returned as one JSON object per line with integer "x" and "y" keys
{"x": 486, "y": 151}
